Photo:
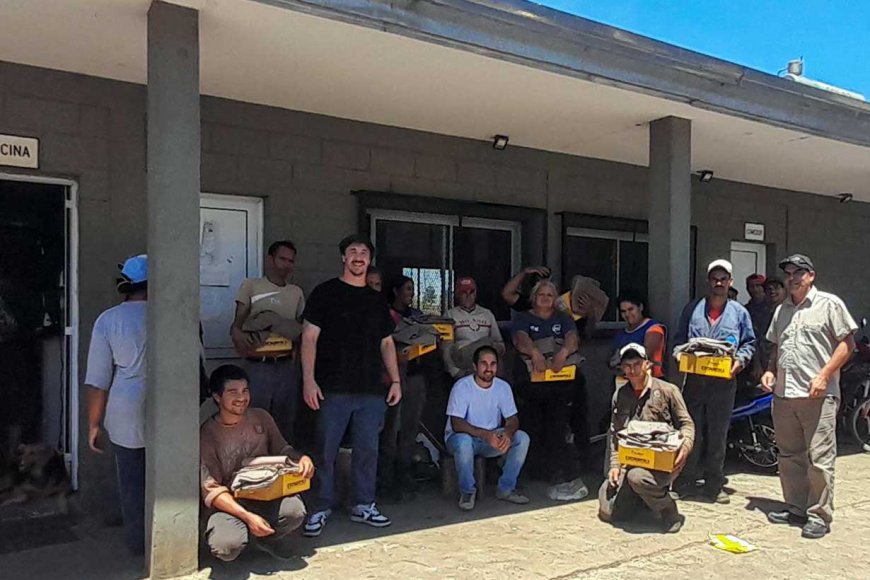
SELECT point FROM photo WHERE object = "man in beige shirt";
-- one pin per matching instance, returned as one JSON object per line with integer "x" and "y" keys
{"x": 229, "y": 437}
{"x": 812, "y": 338}
{"x": 268, "y": 320}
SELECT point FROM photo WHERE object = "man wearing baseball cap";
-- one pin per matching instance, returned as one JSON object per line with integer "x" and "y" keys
{"x": 644, "y": 398}
{"x": 711, "y": 399}
{"x": 473, "y": 325}
{"x": 115, "y": 392}
{"x": 812, "y": 336}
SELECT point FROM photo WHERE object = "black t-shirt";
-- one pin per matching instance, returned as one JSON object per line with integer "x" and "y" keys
{"x": 353, "y": 321}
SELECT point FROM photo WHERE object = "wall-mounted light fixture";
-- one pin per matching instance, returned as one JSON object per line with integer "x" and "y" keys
{"x": 500, "y": 142}
{"x": 706, "y": 175}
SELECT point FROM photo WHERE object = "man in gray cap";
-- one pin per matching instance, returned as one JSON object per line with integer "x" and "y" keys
{"x": 812, "y": 338}
{"x": 711, "y": 399}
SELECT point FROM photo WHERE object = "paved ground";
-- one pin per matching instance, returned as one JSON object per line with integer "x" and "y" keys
{"x": 431, "y": 538}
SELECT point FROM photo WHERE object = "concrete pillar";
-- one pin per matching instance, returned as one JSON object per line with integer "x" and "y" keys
{"x": 670, "y": 217}
{"x": 172, "y": 434}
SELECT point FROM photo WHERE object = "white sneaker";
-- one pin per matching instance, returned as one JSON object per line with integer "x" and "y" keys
{"x": 316, "y": 522}
{"x": 369, "y": 514}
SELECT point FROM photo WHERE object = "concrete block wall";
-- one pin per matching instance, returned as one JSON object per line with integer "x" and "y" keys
{"x": 304, "y": 166}
{"x": 91, "y": 131}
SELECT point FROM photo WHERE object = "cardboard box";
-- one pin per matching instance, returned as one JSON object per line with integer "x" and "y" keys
{"x": 417, "y": 350}
{"x": 275, "y": 343}
{"x": 711, "y": 366}
{"x": 444, "y": 330}
{"x": 287, "y": 484}
{"x": 648, "y": 458}
{"x": 566, "y": 374}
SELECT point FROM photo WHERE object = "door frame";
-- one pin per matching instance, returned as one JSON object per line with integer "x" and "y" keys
{"x": 70, "y": 428}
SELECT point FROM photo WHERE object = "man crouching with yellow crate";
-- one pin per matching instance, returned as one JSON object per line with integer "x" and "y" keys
{"x": 652, "y": 436}
{"x": 249, "y": 475}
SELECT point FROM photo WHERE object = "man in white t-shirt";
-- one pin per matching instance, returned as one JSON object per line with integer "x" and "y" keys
{"x": 115, "y": 393}
{"x": 482, "y": 421}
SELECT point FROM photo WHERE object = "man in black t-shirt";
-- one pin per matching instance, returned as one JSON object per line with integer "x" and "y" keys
{"x": 346, "y": 347}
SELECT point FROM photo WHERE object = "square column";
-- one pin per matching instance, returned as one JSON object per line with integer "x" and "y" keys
{"x": 670, "y": 217}
{"x": 172, "y": 410}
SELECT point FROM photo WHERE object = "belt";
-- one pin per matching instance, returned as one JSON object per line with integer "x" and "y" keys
{"x": 269, "y": 359}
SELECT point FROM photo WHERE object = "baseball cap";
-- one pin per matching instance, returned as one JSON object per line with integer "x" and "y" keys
{"x": 135, "y": 270}
{"x": 798, "y": 260}
{"x": 756, "y": 279}
{"x": 773, "y": 281}
{"x": 722, "y": 264}
{"x": 465, "y": 284}
{"x": 633, "y": 347}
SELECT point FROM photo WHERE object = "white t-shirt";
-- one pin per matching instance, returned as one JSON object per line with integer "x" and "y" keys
{"x": 116, "y": 363}
{"x": 482, "y": 408}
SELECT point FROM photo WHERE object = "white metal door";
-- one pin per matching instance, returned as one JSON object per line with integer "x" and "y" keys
{"x": 747, "y": 258}
{"x": 231, "y": 241}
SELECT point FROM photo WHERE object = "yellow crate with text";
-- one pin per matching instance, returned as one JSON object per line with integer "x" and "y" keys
{"x": 287, "y": 484}
{"x": 567, "y": 373}
{"x": 274, "y": 343}
{"x": 711, "y": 366}
{"x": 648, "y": 458}
{"x": 444, "y": 330}
{"x": 418, "y": 350}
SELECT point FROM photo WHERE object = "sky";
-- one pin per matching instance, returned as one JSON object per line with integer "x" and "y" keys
{"x": 832, "y": 36}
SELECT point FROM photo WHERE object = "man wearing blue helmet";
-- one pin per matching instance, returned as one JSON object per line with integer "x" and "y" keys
{"x": 115, "y": 392}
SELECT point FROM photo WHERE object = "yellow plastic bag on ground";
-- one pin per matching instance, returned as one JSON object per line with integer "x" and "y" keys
{"x": 732, "y": 544}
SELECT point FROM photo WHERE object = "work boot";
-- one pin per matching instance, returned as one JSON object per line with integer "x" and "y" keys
{"x": 672, "y": 520}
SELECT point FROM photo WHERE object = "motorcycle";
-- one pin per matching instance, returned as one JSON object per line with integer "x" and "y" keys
{"x": 752, "y": 435}
{"x": 854, "y": 412}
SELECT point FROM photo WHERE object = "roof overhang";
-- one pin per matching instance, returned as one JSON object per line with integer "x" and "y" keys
{"x": 474, "y": 69}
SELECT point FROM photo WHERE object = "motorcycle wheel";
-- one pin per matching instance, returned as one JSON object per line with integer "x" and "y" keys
{"x": 859, "y": 424}
{"x": 764, "y": 454}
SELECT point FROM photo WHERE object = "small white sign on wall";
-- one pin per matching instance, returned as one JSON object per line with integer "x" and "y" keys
{"x": 754, "y": 232}
{"x": 18, "y": 151}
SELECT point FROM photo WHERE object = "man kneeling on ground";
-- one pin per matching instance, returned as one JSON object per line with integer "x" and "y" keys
{"x": 478, "y": 404}
{"x": 229, "y": 437}
{"x": 644, "y": 398}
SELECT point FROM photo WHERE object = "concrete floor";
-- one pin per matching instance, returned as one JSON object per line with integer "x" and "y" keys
{"x": 431, "y": 538}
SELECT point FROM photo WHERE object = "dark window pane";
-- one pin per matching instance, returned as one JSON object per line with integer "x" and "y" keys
{"x": 418, "y": 251}
{"x": 633, "y": 267}
{"x": 484, "y": 254}
{"x": 595, "y": 258}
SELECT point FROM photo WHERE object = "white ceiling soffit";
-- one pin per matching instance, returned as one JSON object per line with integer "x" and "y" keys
{"x": 273, "y": 56}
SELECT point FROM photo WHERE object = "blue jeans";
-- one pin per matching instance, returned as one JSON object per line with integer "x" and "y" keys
{"x": 463, "y": 447}
{"x": 131, "y": 488}
{"x": 365, "y": 415}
